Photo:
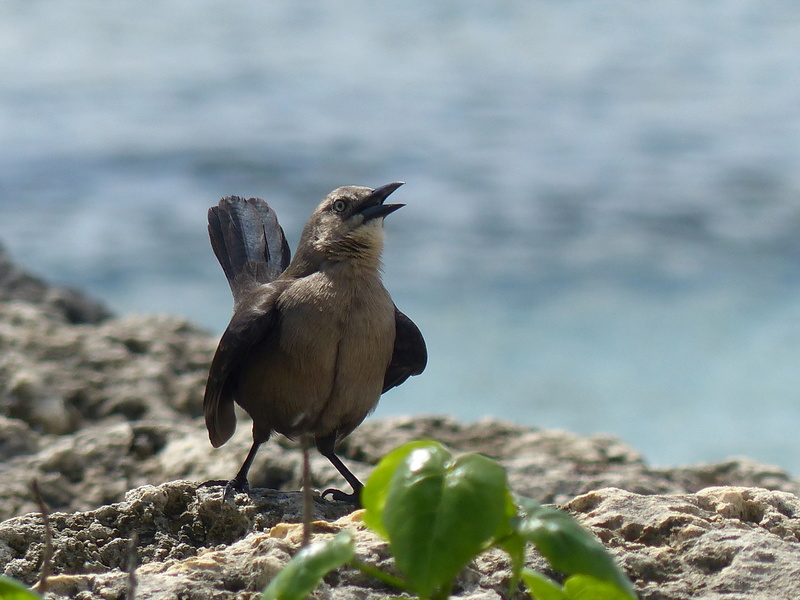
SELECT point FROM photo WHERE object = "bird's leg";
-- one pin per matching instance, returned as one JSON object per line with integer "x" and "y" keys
{"x": 240, "y": 483}
{"x": 308, "y": 498}
{"x": 325, "y": 445}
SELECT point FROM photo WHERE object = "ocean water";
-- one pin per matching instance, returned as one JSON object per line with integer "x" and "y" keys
{"x": 602, "y": 230}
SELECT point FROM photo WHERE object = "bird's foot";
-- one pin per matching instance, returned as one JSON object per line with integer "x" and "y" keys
{"x": 214, "y": 483}
{"x": 340, "y": 496}
{"x": 235, "y": 485}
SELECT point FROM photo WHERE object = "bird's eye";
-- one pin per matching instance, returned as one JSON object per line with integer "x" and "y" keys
{"x": 340, "y": 206}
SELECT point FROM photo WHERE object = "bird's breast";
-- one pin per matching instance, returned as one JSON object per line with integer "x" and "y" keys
{"x": 325, "y": 310}
{"x": 335, "y": 341}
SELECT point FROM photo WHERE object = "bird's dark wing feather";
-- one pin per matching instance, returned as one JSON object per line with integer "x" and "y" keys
{"x": 254, "y": 322}
{"x": 248, "y": 242}
{"x": 410, "y": 354}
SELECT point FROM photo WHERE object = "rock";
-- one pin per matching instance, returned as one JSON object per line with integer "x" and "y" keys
{"x": 67, "y": 304}
{"x": 556, "y": 466}
{"x": 106, "y": 414}
{"x": 722, "y": 542}
{"x": 58, "y": 377}
{"x": 173, "y": 522}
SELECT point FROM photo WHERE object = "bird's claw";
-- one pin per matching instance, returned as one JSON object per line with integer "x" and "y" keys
{"x": 233, "y": 486}
{"x": 340, "y": 496}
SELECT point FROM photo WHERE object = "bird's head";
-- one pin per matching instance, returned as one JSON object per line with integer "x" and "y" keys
{"x": 348, "y": 224}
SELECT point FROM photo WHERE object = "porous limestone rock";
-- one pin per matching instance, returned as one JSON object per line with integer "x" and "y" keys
{"x": 105, "y": 413}
{"x": 719, "y": 543}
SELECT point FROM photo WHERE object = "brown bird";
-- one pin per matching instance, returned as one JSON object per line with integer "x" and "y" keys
{"x": 313, "y": 343}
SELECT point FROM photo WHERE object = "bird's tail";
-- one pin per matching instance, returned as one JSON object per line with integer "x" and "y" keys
{"x": 249, "y": 243}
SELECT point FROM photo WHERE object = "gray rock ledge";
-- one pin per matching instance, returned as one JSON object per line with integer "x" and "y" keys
{"x": 105, "y": 413}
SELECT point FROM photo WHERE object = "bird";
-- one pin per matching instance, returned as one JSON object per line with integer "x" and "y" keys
{"x": 314, "y": 340}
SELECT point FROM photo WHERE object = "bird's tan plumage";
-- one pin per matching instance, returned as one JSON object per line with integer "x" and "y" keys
{"x": 310, "y": 349}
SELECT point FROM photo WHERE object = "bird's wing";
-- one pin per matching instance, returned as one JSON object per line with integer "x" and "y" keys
{"x": 254, "y": 322}
{"x": 248, "y": 242}
{"x": 410, "y": 354}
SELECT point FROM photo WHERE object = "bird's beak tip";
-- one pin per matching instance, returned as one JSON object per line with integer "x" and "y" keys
{"x": 374, "y": 206}
{"x": 384, "y": 191}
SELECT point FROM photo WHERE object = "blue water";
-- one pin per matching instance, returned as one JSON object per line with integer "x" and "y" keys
{"x": 603, "y": 221}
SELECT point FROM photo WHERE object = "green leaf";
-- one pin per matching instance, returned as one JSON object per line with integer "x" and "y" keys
{"x": 586, "y": 587}
{"x": 11, "y": 589}
{"x": 438, "y": 512}
{"x": 376, "y": 490}
{"x": 569, "y": 547}
{"x": 307, "y": 568}
{"x": 514, "y": 544}
{"x": 541, "y": 587}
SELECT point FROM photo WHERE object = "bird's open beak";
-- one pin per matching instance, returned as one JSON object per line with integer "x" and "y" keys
{"x": 374, "y": 206}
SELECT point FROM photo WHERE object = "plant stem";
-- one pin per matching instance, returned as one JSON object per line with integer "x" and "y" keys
{"x": 375, "y": 572}
{"x": 443, "y": 593}
{"x": 308, "y": 500}
{"x": 47, "y": 553}
{"x": 130, "y": 566}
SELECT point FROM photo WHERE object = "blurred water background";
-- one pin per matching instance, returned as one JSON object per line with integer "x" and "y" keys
{"x": 603, "y": 221}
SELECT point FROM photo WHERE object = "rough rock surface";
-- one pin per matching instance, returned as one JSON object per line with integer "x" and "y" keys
{"x": 105, "y": 413}
{"x": 719, "y": 543}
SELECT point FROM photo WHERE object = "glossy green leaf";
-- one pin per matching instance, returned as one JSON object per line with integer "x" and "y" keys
{"x": 307, "y": 568}
{"x": 541, "y": 587}
{"x": 376, "y": 490}
{"x": 569, "y": 547}
{"x": 11, "y": 589}
{"x": 586, "y": 587}
{"x": 438, "y": 512}
{"x": 514, "y": 544}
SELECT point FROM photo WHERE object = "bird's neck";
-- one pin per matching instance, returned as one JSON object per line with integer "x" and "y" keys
{"x": 358, "y": 253}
